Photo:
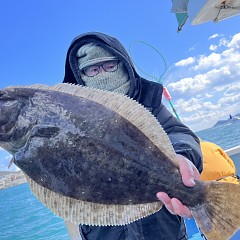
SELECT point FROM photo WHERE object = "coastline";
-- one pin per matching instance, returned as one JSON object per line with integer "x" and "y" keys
{"x": 10, "y": 179}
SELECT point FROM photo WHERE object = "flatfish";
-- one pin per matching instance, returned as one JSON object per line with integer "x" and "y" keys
{"x": 99, "y": 158}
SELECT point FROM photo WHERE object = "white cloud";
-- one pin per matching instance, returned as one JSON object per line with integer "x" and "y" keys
{"x": 230, "y": 98}
{"x": 191, "y": 105}
{"x": 220, "y": 88}
{"x": 185, "y": 62}
{"x": 209, "y": 90}
{"x": 210, "y": 106}
{"x": 211, "y": 60}
{"x": 213, "y": 36}
{"x": 208, "y": 95}
{"x": 223, "y": 42}
{"x": 194, "y": 47}
{"x": 201, "y": 81}
{"x": 230, "y": 56}
{"x": 195, "y": 84}
{"x": 235, "y": 42}
{"x": 233, "y": 87}
{"x": 213, "y": 47}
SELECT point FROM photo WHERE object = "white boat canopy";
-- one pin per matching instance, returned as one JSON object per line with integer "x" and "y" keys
{"x": 201, "y": 11}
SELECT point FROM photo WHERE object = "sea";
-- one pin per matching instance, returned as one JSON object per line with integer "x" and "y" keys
{"x": 23, "y": 217}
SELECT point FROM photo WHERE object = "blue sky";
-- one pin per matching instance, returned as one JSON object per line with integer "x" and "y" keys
{"x": 203, "y": 61}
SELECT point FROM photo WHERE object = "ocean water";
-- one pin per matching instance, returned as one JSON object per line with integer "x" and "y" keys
{"x": 226, "y": 136}
{"x": 23, "y": 217}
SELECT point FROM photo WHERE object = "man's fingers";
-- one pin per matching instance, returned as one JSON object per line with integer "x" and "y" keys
{"x": 174, "y": 206}
{"x": 180, "y": 209}
{"x": 196, "y": 173}
{"x": 166, "y": 200}
{"x": 188, "y": 171}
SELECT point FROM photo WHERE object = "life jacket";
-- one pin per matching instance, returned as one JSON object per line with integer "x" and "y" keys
{"x": 217, "y": 165}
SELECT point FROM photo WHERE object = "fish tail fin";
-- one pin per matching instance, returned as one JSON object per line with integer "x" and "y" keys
{"x": 219, "y": 216}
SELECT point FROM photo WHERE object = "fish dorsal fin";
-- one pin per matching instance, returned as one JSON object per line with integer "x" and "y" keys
{"x": 81, "y": 212}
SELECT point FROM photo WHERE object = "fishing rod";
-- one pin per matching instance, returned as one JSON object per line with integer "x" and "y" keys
{"x": 168, "y": 98}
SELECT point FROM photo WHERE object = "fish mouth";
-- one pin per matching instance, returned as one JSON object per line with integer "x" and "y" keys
{"x": 15, "y": 140}
{"x": 9, "y": 112}
{"x": 11, "y": 136}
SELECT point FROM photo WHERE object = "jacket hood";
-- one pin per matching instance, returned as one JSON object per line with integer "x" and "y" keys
{"x": 111, "y": 44}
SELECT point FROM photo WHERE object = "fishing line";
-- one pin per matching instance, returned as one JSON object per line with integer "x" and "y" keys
{"x": 159, "y": 80}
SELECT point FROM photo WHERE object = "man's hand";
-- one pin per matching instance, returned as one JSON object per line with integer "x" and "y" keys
{"x": 189, "y": 173}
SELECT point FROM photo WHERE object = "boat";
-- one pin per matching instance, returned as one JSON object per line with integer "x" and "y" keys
{"x": 192, "y": 229}
{"x": 228, "y": 121}
{"x": 202, "y": 11}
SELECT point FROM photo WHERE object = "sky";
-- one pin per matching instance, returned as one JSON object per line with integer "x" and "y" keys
{"x": 200, "y": 66}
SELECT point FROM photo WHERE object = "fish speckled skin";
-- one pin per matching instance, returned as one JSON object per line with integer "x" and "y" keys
{"x": 83, "y": 150}
{"x": 88, "y": 152}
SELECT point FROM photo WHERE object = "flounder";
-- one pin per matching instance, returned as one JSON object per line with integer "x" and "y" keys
{"x": 99, "y": 158}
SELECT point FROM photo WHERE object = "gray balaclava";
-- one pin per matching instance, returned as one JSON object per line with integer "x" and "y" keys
{"x": 118, "y": 81}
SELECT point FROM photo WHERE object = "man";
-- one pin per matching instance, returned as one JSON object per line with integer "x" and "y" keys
{"x": 100, "y": 61}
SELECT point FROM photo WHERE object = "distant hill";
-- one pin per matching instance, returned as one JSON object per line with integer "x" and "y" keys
{"x": 10, "y": 179}
{"x": 229, "y": 120}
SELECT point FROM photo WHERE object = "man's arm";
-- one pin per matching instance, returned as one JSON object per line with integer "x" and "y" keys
{"x": 184, "y": 141}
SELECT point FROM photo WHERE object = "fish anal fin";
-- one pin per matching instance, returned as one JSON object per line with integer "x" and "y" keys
{"x": 81, "y": 212}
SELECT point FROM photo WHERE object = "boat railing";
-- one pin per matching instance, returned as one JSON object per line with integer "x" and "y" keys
{"x": 234, "y": 154}
{"x": 233, "y": 151}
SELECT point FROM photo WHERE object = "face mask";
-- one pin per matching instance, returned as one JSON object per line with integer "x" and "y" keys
{"x": 117, "y": 81}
